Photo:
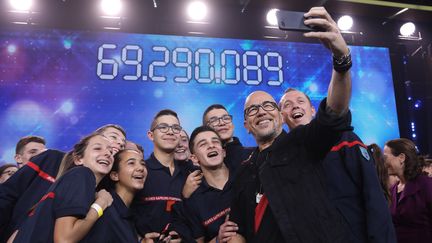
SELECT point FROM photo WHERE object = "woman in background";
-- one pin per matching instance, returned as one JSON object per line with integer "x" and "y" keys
{"x": 381, "y": 169}
{"x": 66, "y": 212}
{"x": 411, "y": 206}
{"x": 7, "y": 171}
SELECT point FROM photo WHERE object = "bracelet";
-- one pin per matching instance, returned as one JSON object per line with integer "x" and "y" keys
{"x": 98, "y": 209}
{"x": 343, "y": 63}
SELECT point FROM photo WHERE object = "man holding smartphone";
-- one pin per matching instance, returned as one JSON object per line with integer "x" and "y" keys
{"x": 280, "y": 194}
{"x": 352, "y": 182}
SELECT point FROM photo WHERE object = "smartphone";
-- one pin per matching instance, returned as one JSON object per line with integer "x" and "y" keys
{"x": 292, "y": 20}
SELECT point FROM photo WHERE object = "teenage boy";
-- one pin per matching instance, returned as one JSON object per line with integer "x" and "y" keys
{"x": 153, "y": 205}
{"x": 208, "y": 207}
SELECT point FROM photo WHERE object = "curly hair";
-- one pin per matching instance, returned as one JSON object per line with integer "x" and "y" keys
{"x": 414, "y": 163}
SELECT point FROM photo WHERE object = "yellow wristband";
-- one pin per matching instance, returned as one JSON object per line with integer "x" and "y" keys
{"x": 98, "y": 209}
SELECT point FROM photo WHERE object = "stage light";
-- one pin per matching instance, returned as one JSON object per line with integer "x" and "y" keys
{"x": 407, "y": 29}
{"x": 111, "y": 7}
{"x": 271, "y": 17}
{"x": 11, "y": 49}
{"x": 67, "y": 107}
{"x": 345, "y": 22}
{"x": 21, "y": 5}
{"x": 67, "y": 44}
{"x": 197, "y": 10}
{"x": 313, "y": 87}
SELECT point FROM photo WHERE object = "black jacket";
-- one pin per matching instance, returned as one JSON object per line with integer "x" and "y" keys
{"x": 294, "y": 182}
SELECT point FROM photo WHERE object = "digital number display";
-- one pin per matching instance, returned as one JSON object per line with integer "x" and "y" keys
{"x": 201, "y": 65}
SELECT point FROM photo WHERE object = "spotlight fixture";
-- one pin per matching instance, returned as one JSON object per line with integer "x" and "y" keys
{"x": 407, "y": 29}
{"x": 21, "y": 5}
{"x": 197, "y": 10}
{"x": 418, "y": 104}
{"x": 345, "y": 23}
{"x": 271, "y": 17}
{"x": 111, "y": 7}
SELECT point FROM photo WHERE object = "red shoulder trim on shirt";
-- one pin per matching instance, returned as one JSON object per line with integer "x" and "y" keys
{"x": 347, "y": 144}
{"x": 41, "y": 173}
{"x": 48, "y": 195}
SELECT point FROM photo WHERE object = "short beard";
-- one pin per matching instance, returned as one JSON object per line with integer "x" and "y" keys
{"x": 267, "y": 137}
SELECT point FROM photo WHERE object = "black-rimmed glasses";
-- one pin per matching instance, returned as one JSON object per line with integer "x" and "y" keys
{"x": 214, "y": 121}
{"x": 266, "y": 105}
{"x": 164, "y": 128}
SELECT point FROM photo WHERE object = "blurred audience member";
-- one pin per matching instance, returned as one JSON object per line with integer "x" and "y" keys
{"x": 134, "y": 146}
{"x": 411, "y": 206}
{"x": 28, "y": 147}
{"x": 6, "y": 171}
{"x": 428, "y": 167}
{"x": 182, "y": 151}
{"x": 393, "y": 179}
{"x": 381, "y": 169}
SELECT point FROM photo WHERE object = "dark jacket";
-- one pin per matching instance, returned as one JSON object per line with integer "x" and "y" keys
{"x": 236, "y": 154}
{"x": 294, "y": 182}
{"x": 412, "y": 213}
{"x": 354, "y": 188}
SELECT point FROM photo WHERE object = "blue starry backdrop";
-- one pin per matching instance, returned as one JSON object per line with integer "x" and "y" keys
{"x": 63, "y": 85}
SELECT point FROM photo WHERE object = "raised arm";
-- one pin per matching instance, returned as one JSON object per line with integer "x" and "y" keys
{"x": 339, "y": 90}
{"x": 72, "y": 229}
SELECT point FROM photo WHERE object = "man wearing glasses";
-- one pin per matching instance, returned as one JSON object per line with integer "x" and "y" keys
{"x": 280, "y": 194}
{"x": 164, "y": 183}
{"x": 216, "y": 116}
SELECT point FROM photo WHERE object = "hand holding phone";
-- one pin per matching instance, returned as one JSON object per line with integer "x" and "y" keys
{"x": 294, "y": 21}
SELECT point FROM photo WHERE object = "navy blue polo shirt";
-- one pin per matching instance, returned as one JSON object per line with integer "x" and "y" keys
{"x": 71, "y": 195}
{"x": 25, "y": 188}
{"x": 116, "y": 224}
{"x": 207, "y": 208}
{"x": 153, "y": 204}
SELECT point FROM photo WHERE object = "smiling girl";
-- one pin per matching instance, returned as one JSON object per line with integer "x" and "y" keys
{"x": 66, "y": 212}
{"x": 126, "y": 178}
